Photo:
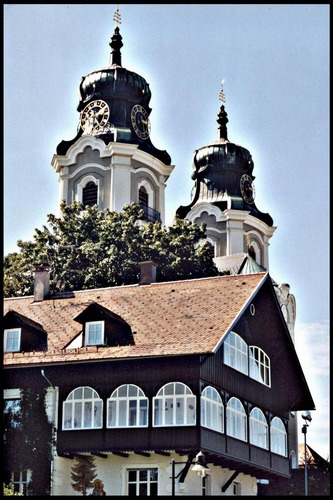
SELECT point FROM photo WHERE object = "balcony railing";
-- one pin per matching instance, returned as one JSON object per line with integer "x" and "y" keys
{"x": 150, "y": 215}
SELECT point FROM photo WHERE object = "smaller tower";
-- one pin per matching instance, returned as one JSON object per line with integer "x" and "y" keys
{"x": 223, "y": 197}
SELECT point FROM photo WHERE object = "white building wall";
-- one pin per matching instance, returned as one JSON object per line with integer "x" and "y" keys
{"x": 112, "y": 471}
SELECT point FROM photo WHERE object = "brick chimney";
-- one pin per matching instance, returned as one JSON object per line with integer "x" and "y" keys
{"x": 147, "y": 272}
{"x": 41, "y": 281}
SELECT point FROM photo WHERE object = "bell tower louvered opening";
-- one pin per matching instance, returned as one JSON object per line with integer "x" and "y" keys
{"x": 89, "y": 194}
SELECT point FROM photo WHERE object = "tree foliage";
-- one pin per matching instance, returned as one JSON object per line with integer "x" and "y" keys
{"x": 27, "y": 446}
{"x": 83, "y": 474}
{"x": 87, "y": 248}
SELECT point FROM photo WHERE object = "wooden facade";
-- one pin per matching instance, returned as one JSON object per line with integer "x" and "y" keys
{"x": 258, "y": 321}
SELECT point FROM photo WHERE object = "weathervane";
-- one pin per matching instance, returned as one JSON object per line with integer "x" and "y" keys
{"x": 221, "y": 94}
{"x": 117, "y": 16}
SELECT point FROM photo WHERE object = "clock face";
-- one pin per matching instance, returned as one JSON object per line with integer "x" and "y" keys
{"x": 140, "y": 121}
{"x": 94, "y": 117}
{"x": 247, "y": 188}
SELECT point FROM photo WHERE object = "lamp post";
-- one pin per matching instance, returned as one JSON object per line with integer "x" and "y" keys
{"x": 199, "y": 466}
{"x": 307, "y": 417}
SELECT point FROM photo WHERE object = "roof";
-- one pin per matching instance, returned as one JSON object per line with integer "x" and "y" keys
{"x": 239, "y": 263}
{"x": 167, "y": 319}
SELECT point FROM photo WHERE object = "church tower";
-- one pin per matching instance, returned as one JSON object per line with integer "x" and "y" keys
{"x": 223, "y": 197}
{"x": 112, "y": 162}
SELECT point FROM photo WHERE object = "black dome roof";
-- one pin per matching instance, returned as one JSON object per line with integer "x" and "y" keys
{"x": 114, "y": 82}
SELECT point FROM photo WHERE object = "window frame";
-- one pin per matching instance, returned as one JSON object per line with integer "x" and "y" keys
{"x": 87, "y": 333}
{"x": 76, "y": 417}
{"x": 124, "y": 412}
{"x": 278, "y": 437}
{"x": 255, "y": 363}
{"x": 258, "y": 428}
{"x": 167, "y": 399}
{"x": 236, "y": 419}
{"x": 19, "y": 484}
{"x": 139, "y": 481}
{"x": 235, "y": 352}
{"x": 17, "y": 339}
{"x": 259, "y": 365}
{"x": 212, "y": 410}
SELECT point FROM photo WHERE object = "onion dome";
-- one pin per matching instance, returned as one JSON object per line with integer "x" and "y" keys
{"x": 115, "y": 82}
{"x": 114, "y": 104}
{"x": 222, "y": 172}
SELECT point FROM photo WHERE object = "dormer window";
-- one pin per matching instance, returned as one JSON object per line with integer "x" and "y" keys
{"x": 12, "y": 340}
{"x": 101, "y": 327}
{"x": 94, "y": 333}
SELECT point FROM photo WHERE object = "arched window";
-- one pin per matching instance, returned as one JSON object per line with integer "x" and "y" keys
{"x": 278, "y": 437}
{"x": 235, "y": 352}
{"x": 174, "y": 404}
{"x": 258, "y": 428}
{"x": 89, "y": 194}
{"x": 143, "y": 197}
{"x": 127, "y": 407}
{"x": 260, "y": 365}
{"x": 83, "y": 409}
{"x": 236, "y": 419}
{"x": 211, "y": 409}
{"x": 252, "y": 252}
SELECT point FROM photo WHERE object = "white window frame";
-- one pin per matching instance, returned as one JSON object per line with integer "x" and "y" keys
{"x": 88, "y": 333}
{"x": 150, "y": 192}
{"x": 258, "y": 428}
{"x": 278, "y": 436}
{"x": 83, "y": 409}
{"x": 236, "y": 419}
{"x": 174, "y": 405}
{"x": 82, "y": 184}
{"x": 19, "y": 481}
{"x": 127, "y": 407}
{"x": 235, "y": 352}
{"x": 12, "y": 343}
{"x": 212, "y": 409}
{"x": 259, "y": 365}
{"x": 140, "y": 481}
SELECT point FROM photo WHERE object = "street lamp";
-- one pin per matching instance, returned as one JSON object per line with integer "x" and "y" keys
{"x": 307, "y": 417}
{"x": 199, "y": 466}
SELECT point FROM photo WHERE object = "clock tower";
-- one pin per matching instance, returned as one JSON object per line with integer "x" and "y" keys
{"x": 223, "y": 198}
{"x": 112, "y": 162}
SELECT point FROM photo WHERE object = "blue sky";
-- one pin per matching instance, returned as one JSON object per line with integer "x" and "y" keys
{"x": 275, "y": 62}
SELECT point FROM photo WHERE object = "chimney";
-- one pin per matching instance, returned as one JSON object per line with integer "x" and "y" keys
{"x": 41, "y": 281}
{"x": 147, "y": 272}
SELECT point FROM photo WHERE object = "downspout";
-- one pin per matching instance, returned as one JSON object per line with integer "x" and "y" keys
{"x": 54, "y": 430}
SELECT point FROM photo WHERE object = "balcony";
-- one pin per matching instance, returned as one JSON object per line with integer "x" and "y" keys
{"x": 150, "y": 215}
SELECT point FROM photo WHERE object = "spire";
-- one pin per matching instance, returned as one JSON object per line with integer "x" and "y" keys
{"x": 222, "y": 117}
{"x": 116, "y": 41}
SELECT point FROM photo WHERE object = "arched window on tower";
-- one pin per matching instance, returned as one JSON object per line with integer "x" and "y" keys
{"x": 252, "y": 252}
{"x": 143, "y": 197}
{"x": 89, "y": 194}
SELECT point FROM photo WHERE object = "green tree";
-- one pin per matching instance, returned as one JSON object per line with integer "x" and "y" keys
{"x": 87, "y": 248}
{"x": 27, "y": 446}
{"x": 83, "y": 474}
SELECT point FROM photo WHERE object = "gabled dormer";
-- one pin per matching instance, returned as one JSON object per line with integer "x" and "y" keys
{"x": 102, "y": 327}
{"x": 22, "y": 334}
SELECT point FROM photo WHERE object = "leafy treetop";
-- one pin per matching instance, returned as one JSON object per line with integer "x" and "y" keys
{"x": 87, "y": 248}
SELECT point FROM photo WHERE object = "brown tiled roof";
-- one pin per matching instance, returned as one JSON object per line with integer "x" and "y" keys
{"x": 172, "y": 318}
